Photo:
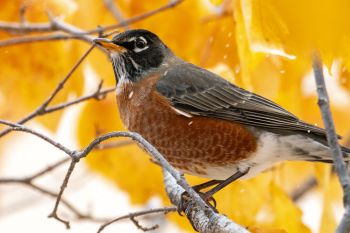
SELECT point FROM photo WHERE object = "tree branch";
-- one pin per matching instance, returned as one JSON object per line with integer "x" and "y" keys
{"x": 169, "y": 5}
{"x": 204, "y": 220}
{"x": 35, "y": 38}
{"x": 113, "y": 8}
{"x": 22, "y": 128}
{"x": 163, "y": 210}
{"x": 20, "y": 28}
{"x": 56, "y": 25}
{"x": 113, "y": 145}
{"x": 332, "y": 138}
{"x": 54, "y": 214}
{"x": 98, "y": 95}
{"x": 197, "y": 207}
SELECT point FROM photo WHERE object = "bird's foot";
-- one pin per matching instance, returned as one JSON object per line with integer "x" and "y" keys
{"x": 185, "y": 198}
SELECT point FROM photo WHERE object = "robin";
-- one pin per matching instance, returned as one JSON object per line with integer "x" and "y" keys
{"x": 203, "y": 124}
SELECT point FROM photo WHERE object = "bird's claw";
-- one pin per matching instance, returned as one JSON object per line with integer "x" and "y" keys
{"x": 185, "y": 198}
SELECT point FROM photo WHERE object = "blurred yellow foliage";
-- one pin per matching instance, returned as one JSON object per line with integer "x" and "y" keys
{"x": 30, "y": 72}
{"x": 216, "y": 2}
{"x": 263, "y": 46}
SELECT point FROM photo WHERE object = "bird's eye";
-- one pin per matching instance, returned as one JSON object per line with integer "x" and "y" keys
{"x": 140, "y": 43}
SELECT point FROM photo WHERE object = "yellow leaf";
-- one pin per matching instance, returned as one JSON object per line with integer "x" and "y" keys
{"x": 216, "y": 2}
{"x": 298, "y": 27}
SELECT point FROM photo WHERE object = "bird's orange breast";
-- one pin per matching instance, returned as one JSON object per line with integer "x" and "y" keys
{"x": 191, "y": 144}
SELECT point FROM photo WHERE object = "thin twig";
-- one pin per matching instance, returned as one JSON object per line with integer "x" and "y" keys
{"x": 99, "y": 94}
{"x": 18, "y": 28}
{"x": 57, "y": 25}
{"x": 169, "y": 5}
{"x": 339, "y": 164}
{"x": 32, "y": 177}
{"x": 143, "y": 228}
{"x": 22, "y": 128}
{"x": 305, "y": 187}
{"x": 59, "y": 196}
{"x": 114, "y": 9}
{"x": 48, "y": 169}
{"x": 164, "y": 210}
{"x": 35, "y": 38}
{"x": 42, "y": 108}
{"x": 54, "y": 24}
{"x": 113, "y": 145}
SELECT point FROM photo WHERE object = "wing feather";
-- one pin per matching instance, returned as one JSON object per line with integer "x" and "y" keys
{"x": 200, "y": 92}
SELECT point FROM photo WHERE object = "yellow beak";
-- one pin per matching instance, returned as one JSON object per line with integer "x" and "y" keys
{"x": 109, "y": 45}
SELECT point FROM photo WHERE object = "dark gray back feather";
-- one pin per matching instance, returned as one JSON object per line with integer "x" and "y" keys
{"x": 200, "y": 92}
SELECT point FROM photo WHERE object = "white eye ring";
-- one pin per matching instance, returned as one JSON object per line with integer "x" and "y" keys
{"x": 140, "y": 44}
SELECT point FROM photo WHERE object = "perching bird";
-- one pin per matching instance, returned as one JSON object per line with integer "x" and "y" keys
{"x": 203, "y": 124}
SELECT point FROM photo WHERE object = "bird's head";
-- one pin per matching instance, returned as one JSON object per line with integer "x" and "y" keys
{"x": 134, "y": 53}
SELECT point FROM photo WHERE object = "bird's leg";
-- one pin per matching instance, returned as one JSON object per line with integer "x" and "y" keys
{"x": 208, "y": 196}
{"x": 185, "y": 197}
{"x": 207, "y": 184}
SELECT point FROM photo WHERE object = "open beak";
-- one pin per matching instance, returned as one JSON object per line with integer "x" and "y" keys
{"x": 109, "y": 45}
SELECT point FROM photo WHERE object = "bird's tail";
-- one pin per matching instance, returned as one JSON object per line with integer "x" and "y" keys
{"x": 327, "y": 157}
{"x": 307, "y": 148}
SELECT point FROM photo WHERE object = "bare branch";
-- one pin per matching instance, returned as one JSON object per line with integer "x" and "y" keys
{"x": 113, "y": 145}
{"x": 48, "y": 169}
{"x": 332, "y": 138}
{"x": 163, "y": 210}
{"x": 28, "y": 181}
{"x": 19, "y": 28}
{"x": 56, "y": 25}
{"x": 18, "y": 127}
{"x": 35, "y": 38}
{"x": 197, "y": 208}
{"x": 36, "y": 175}
{"x": 169, "y": 5}
{"x": 144, "y": 229}
{"x": 113, "y": 8}
{"x": 203, "y": 220}
{"x": 59, "y": 196}
{"x": 98, "y": 95}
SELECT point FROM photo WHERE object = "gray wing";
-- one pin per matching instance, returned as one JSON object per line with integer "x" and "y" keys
{"x": 199, "y": 92}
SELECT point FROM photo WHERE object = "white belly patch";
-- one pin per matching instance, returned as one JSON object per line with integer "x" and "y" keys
{"x": 270, "y": 151}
